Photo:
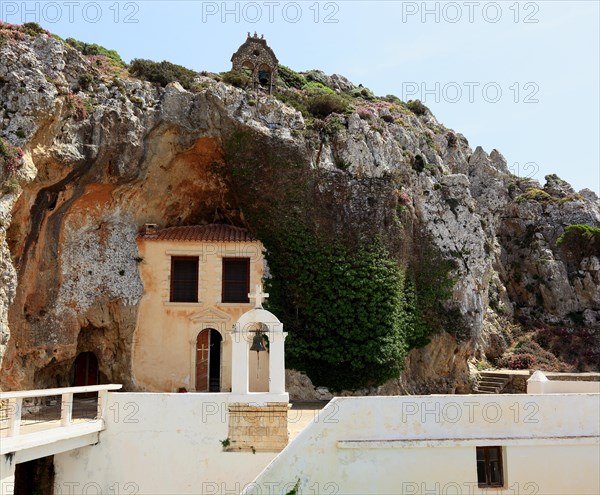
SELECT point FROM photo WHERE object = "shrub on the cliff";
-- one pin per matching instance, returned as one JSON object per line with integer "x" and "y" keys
{"x": 290, "y": 78}
{"x": 237, "y": 78}
{"x": 392, "y": 99}
{"x": 518, "y": 361}
{"x": 293, "y": 98}
{"x": 85, "y": 80}
{"x": 322, "y": 105}
{"x": 577, "y": 347}
{"x": 417, "y": 107}
{"x": 33, "y": 29}
{"x": 364, "y": 93}
{"x": 91, "y": 49}
{"x": 534, "y": 194}
{"x": 77, "y": 106}
{"x": 162, "y": 73}
{"x": 581, "y": 240}
{"x": 317, "y": 88}
{"x": 10, "y": 158}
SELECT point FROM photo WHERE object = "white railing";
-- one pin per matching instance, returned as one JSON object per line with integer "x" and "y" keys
{"x": 14, "y": 405}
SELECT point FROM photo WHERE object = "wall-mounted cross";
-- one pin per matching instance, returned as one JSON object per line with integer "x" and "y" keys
{"x": 259, "y": 296}
{"x": 202, "y": 349}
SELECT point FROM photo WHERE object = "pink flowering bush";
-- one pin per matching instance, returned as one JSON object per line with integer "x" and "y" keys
{"x": 404, "y": 199}
{"x": 10, "y": 32}
{"x": 11, "y": 157}
{"x": 77, "y": 106}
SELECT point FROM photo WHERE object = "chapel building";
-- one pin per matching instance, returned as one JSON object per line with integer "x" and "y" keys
{"x": 197, "y": 281}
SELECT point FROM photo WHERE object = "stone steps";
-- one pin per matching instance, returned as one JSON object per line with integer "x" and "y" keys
{"x": 490, "y": 383}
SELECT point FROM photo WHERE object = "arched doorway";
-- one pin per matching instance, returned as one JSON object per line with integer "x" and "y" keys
{"x": 208, "y": 361}
{"x": 248, "y": 68}
{"x": 85, "y": 370}
{"x": 264, "y": 75}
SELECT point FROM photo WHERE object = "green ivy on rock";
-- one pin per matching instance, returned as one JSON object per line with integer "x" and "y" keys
{"x": 341, "y": 291}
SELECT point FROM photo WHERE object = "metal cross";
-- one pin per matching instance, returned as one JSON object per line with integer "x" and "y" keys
{"x": 258, "y": 296}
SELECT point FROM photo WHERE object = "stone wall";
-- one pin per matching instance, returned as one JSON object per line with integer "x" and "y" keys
{"x": 258, "y": 428}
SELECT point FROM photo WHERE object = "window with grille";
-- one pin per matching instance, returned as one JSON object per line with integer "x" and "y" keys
{"x": 489, "y": 467}
{"x": 184, "y": 279}
{"x": 236, "y": 280}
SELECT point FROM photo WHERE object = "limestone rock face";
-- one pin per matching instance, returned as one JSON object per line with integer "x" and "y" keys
{"x": 99, "y": 164}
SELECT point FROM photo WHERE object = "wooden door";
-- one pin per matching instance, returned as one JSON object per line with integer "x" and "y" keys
{"x": 202, "y": 360}
{"x": 86, "y": 370}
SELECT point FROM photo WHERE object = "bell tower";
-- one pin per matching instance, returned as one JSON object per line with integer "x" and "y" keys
{"x": 258, "y": 420}
{"x": 257, "y": 59}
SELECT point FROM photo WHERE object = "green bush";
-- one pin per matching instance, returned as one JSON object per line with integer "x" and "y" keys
{"x": 237, "y": 78}
{"x": 290, "y": 78}
{"x": 33, "y": 29}
{"x": 581, "y": 239}
{"x": 316, "y": 88}
{"x": 534, "y": 194}
{"x": 321, "y": 105}
{"x": 91, "y": 49}
{"x": 85, "y": 80}
{"x": 12, "y": 186}
{"x": 364, "y": 93}
{"x": 162, "y": 73}
{"x": 349, "y": 328}
{"x": 316, "y": 76}
{"x": 416, "y": 107}
{"x": 392, "y": 99}
{"x": 295, "y": 99}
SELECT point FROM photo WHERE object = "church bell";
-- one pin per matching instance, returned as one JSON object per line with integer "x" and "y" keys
{"x": 258, "y": 344}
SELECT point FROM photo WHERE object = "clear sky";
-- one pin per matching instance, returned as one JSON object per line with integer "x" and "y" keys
{"x": 521, "y": 77}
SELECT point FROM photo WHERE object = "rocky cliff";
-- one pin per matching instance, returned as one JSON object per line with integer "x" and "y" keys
{"x": 105, "y": 153}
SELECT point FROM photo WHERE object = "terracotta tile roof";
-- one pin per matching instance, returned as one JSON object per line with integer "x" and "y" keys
{"x": 206, "y": 233}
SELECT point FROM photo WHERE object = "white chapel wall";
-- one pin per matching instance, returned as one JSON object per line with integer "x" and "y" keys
{"x": 160, "y": 444}
{"x": 418, "y": 445}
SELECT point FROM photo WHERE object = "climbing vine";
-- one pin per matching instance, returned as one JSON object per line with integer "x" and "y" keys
{"x": 351, "y": 306}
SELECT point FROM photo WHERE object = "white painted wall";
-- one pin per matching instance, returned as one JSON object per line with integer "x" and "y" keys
{"x": 160, "y": 444}
{"x": 539, "y": 384}
{"x": 418, "y": 445}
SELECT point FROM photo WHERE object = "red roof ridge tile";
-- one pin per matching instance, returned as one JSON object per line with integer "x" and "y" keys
{"x": 213, "y": 232}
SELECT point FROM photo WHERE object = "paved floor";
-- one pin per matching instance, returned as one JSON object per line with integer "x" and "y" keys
{"x": 301, "y": 415}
